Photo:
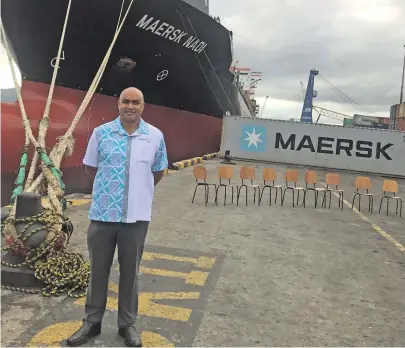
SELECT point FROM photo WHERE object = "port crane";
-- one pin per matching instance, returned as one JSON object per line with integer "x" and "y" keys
{"x": 320, "y": 111}
{"x": 309, "y": 94}
{"x": 264, "y": 105}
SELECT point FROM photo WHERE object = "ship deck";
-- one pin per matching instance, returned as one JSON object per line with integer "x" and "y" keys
{"x": 244, "y": 275}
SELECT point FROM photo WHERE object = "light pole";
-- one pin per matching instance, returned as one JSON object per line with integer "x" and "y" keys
{"x": 402, "y": 84}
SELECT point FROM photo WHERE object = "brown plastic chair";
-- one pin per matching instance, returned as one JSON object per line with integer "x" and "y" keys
{"x": 311, "y": 179}
{"x": 391, "y": 186}
{"x": 270, "y": 174}
{"x": 364, "y": 183}
{"x": 248, "y": 173}
{"x": 332, "y": 179}
{"x": 225, "y": 173}
{"x": 291, "y": 175}
{"x": 200, "y": 173}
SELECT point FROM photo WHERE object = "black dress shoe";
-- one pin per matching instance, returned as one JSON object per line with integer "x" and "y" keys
{"x": 86, "y": 331}
{"x": 132, "y": 339}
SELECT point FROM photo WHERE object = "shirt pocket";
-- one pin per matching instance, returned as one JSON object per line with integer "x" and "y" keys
{"x": 143, "y": 151}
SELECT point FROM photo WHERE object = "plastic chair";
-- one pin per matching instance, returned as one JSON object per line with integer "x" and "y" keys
{"x": 248, "y": 173}
{"x": 291, "y": 175}
{"x": 225, "y": 173}
{"x": 310, "y": 179}
{"x": 332, "y": 179}
{"x": 391, "y": 186}
{"x": 200, "y": 173}
{"x": 364, "y": 183}
{"x": 270, "y": 174}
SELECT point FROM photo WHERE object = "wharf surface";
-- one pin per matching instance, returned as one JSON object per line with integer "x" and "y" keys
{"x": 244, "y": 275}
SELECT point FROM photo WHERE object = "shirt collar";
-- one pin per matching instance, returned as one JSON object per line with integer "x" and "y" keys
{"x": 142, "y": 129}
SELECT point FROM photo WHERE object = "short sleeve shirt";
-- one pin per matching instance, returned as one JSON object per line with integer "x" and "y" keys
{"x": 123, "y": 187}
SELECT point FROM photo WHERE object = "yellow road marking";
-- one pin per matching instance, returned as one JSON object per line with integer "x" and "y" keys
{"x": 70, "y": 203}
{"x": 377, "y": 228}
{"x": 149, "y": 308}
{"x": 54, "y": 334}
{"x": 201, "y": 262}
{"x": 194, "y": 277}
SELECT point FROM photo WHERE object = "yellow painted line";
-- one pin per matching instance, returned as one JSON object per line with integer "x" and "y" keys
{"x": 53, "y": 336}
{"x": 71, "y": 202}
{"x": 377, "y": 228}
{"x": 194, "y": 277}
{"x": 149, "y": 308}
{"x": 201, "y": 262}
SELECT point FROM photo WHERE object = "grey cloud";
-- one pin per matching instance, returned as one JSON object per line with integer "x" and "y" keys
{"x": 286, "y": 38}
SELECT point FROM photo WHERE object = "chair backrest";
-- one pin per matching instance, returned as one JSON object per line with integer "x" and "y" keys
{"x": 332, "y": 179}
{"x": 247, "y": 173}
{"x": 200, "y": 172}
{"x": 390, "y": 186}
{"x": 363, "y": 182}
{"x": 310, "y": 177}
{"x": 225, "y": 172}
{"x": 291, "y": 175}
{"x": 269, "y": 174}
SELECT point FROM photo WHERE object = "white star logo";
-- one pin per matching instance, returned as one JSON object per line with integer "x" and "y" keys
{"x": 253, "y": 138}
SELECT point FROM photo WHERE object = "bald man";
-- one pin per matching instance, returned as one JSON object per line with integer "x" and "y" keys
{"x": 128, "y": 158}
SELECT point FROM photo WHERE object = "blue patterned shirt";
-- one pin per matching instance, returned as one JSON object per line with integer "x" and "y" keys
{"x": 124, "y": 184}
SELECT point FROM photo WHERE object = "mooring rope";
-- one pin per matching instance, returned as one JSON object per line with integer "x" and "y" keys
{"x": 66, "y": 142}
{"x": 59, "y": 270}
{"x": 44, "y": 123}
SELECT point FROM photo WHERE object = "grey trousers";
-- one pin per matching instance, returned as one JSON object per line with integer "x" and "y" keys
{"x": 102, "y": 238}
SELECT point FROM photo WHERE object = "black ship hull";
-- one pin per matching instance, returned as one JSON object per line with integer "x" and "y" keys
{"x": 177, "y": 55}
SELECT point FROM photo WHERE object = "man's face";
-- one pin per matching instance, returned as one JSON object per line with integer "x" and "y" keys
{"x": 130, "y": 106}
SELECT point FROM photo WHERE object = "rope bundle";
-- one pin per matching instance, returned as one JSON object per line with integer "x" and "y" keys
{"x": 59, "y": 270}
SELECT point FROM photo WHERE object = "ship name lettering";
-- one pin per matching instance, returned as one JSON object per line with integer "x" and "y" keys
{"x": 169, "y": 32}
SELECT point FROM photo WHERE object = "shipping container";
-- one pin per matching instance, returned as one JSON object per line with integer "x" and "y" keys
{"x": 363, "y": 120}
{"x": 397, "y": 112}
{"x": 384, "y": 120}
{"x": 380, "y": 125}
{"x": 348, "y": 122}
{"x": 315, "y": 145}
{"x": 401, "y": 124}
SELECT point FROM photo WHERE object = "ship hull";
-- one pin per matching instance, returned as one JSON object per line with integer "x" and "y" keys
{"x": 186, "y": 134}
{"x": 177, "y": 55}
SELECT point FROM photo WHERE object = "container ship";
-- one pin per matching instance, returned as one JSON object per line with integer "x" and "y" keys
{"x": 174, "y": 51}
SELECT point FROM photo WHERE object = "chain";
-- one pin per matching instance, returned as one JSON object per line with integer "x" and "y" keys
{"x": 58, "y": 269}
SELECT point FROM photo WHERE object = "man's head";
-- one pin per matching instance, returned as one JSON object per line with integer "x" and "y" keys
{"x": 130, "y": 105}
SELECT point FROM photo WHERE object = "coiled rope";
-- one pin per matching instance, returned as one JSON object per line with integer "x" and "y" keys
{"x": 59, "y": 270}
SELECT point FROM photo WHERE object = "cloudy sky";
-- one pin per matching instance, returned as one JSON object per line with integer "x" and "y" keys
{"x": 357, "y": 45}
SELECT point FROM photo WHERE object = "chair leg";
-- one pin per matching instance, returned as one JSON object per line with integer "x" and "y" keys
{"x": 195, "y": 190}
{"x": 382, "y": 198}
{"x": 316, "y": 198}
{"x": 207, "y": 191}
{"x": 303, "y": 200}
{"x": 354, "y": 197}
{"x": 341, "y": 202}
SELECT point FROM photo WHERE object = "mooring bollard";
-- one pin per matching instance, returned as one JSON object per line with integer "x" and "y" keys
{"x": 14, "y": 273}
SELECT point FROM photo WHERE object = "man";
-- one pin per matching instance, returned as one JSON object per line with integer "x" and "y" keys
{"x": 128, "y": 158}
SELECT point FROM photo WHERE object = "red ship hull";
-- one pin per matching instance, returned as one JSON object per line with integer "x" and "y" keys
{"x": 186, "y": 134}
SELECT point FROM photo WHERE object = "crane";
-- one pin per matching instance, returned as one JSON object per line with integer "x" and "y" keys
{"x": 264, "y": 105}
{"x": 308, "y": 95}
